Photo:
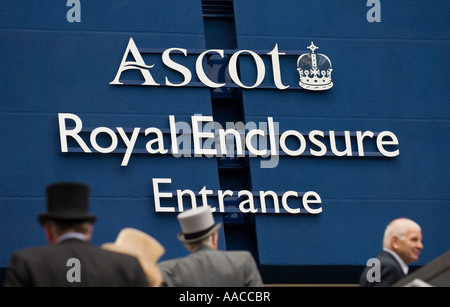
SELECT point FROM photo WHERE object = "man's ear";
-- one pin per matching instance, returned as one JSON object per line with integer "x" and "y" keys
{"x": 394, "y": 242}
{"x": 49, "y": 235}
{"x": 215, "y": 239}
{"x": 90, "y": 233}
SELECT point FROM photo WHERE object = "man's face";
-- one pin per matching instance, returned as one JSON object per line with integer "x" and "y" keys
{"x": 408, "y": 247}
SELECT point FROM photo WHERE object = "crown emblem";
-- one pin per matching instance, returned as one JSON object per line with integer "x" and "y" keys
{"x": 315, "y": 70}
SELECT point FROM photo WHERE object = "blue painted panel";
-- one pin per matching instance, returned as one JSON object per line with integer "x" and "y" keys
{"x": 371, "y": 80}
{"x": 296, "y": 19}
{"x": 387, "y": 76}
{"x": 175, "y": 16}
{"x": 349, "y": 231}
{"x": 50, "y": 66}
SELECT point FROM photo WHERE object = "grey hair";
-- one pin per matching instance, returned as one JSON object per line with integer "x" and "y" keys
{"x": 399, "y": 228}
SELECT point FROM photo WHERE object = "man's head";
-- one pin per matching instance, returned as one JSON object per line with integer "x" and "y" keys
{"x": 55, "y": 228}
{"x": 198, "y": 228}
{"x": 404, "y": 237}
{"x": 67, "y": 210}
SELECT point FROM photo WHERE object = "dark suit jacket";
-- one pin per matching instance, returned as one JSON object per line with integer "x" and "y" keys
{"x": 47, "y": 266}
{"x": 211, "y": 268}
{"x": 390, "y": 270}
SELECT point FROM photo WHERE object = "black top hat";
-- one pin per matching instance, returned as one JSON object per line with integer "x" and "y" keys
{"x": 68, "y": 202}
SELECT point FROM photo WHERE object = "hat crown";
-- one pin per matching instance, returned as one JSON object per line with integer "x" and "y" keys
{"x": 68, "y": 197}
{"x": 67, "y": 201}
{"x": 196, "y": 220}
{"x": 141, "y": 243}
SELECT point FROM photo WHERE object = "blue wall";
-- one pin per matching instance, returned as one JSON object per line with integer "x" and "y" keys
{"x": 387, "y": 76}
{"x": 51, "y": 66}
{"x": 391, "y": 75}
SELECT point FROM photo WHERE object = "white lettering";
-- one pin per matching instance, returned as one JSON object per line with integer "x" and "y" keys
{"x": 137, "y": 64}
{"x": 159, "y": 140}
{"x": 180, "y": 195}
{"x": 247, "y": 203}
{"x": 175, "y": 66}
{"x": 249, "y": 143}
{"x": 393, "y": 141}
{"x": 210, "y": 140}
{"x": 157, "y": 195}
{"x": 244, "y": 296}
{"x": 274, "y": 54}
{"x": 260, "y": 69}
{"x": 173, "y": 134}
{"x": 204, "y": 194}
{"x": 348, "y": 144}
{"x": 221, "y": 195}
{"x": 262, "y": 197}
{"x": 201, "y": 72}
{"x": 251, "y": 204}
{"x": 109, "y": 132}
{"x": 129, "y": 143}
{"x": 284, "y": 202}
{"x": 315, "y": 200}
{"x": 301, "y": 139}
{"x": 359, "y": 138}
{"x": 223, "y": 144}
{"x": 64, "y": 133}
{"x": 312, "y": 138}
{"x": 197, "y": 135}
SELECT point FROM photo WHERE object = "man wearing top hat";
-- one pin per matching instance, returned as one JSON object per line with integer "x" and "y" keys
{"x": 69, "y": 259}
{"x": 205, "y": 265}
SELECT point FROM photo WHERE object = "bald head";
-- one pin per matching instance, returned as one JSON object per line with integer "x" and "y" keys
{"x": 404, "y": 237}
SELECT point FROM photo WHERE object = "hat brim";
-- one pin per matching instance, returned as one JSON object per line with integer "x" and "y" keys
{"x": 152, "y": 271}
{"x": 186, "y": 239}
{"x": 44, "y": 217}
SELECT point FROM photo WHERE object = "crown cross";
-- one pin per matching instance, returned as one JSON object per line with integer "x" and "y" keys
{"x": 312, "y": 47}
{"x": 312, "y": 76}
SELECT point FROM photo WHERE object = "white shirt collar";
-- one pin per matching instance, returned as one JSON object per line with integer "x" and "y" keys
{"x": 71, "y": 235}
{"x": 403, "y": 265}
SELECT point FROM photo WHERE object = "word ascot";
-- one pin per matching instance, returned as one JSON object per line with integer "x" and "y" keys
{"x": 140, "y": 65}
{"x": 210, "y": 139}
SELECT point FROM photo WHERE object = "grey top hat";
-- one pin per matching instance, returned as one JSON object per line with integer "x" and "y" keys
{"x": 196, "y": 224}
{"x": 67, "y": 201}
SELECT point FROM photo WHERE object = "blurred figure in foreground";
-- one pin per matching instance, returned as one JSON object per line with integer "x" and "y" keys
{"x": 402, "y": 244}
{"x": 144, "y": 247}
{"x": 206, "y": 266}
{"x": 70, "y": 259}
